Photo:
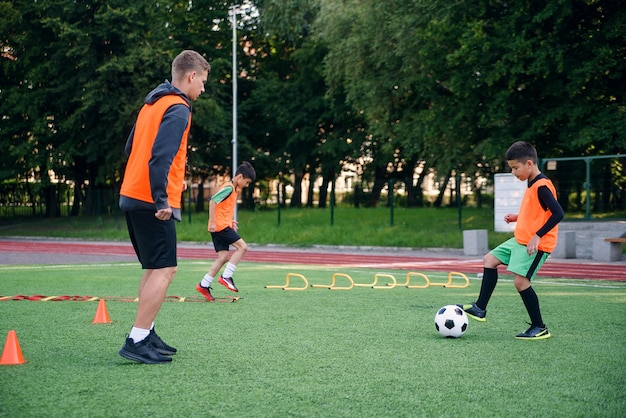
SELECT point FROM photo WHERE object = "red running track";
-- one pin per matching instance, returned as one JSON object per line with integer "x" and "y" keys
{"x": 575, "y": 269}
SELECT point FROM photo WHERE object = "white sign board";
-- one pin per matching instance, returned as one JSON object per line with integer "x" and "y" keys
{"x": 508, "y": 193}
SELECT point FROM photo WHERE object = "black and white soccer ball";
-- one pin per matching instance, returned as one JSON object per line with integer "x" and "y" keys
{"x": 451, "y": 321}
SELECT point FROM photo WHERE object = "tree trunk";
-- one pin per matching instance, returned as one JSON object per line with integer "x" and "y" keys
{"x": 442, "y": 190}
{"x": 380, "y": 180}
{"x": 200, "y": 197}
{"x": 296, "y": 198}
{"x": 323, "y": 193}
{"x": 310, "y": 194}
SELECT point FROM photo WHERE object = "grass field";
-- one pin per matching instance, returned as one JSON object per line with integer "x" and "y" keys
{"x": 313, "y": 353}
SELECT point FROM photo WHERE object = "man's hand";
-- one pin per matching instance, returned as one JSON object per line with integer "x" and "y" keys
{"x": 163, "y": 214}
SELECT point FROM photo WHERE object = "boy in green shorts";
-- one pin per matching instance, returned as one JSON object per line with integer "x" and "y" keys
{"x": 223, "y": 229}
{"x": 534, "y": 239}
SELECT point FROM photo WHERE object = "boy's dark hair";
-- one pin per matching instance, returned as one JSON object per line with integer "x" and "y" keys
{"x": 246, "y": 170}
{"x": 522, "y": 152}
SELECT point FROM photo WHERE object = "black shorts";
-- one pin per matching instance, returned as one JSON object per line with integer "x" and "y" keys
{"x": 154, "y": 240}
{"x": 223, "y": 238}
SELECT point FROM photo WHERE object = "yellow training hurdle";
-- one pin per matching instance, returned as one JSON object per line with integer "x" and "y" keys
{"x": 287, "y": 279}
{"x": 417, "y": 286}
{"x": 449, "y": 282}
{"x": 333, "y": 283}
{"x": 389, "y": 285}
{"x": 391, "y": 282}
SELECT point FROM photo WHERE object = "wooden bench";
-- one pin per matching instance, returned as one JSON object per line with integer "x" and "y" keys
{"x": 608, "y": 249}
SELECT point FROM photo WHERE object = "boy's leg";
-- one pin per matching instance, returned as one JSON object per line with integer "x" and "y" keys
{"x": 490, "y": 280}
{"x": 240, "y": 249}
{"x": 530, "y": 265}
{"x": 204, "y": 287}
{"x": 227, "y": 277}
{"x": 538, "y": 329}
{"x": 222, "y": 258}
{"x": 531, "y": 302}
{"x": 478, "y": 310}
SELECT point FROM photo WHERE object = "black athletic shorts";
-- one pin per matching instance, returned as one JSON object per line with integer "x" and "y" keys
{"x": 223, "y": 238}
{"x": 154, "y": 240}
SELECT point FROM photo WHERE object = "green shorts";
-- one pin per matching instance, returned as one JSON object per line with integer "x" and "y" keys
{"x": 518, "y": 261}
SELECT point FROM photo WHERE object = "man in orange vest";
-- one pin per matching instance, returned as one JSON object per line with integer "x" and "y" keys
{"x": 151, "y": 195}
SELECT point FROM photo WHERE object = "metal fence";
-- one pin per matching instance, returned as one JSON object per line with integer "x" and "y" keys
{"x": 589, "y": 185}
{"x": 31, "y": 199}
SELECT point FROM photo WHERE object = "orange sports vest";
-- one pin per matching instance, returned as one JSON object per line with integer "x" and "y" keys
{"x": 136, "y": 182}
{"x": 225, "y": 211}
{"x": 532, "y": 217}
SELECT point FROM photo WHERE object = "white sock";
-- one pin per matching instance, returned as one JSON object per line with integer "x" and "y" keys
{"x": 138, "y": 334}
{"x": 229, "y": 270}
{"x": 206, "y": 280}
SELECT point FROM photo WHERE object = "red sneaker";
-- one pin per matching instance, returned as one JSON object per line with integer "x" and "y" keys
{"x": 229, "y": 283}
{"x": 206, "y": 292}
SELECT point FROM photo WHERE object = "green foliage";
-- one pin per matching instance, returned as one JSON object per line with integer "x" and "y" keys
{"x": 387, "y": 86}
{"x": 455, "y": 85}
{"x": 363, "y": 352}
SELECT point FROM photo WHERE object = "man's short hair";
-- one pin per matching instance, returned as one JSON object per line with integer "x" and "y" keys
{"x": 189, "y": 60}
{"x": 521, "y": 151}
{"x": 246, "y": 170}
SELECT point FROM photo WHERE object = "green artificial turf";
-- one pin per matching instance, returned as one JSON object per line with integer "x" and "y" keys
{"x": 314, "y": 353}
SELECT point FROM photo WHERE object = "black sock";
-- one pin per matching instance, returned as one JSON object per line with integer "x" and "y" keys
{"x": 531, "y": 301}
{"x": 490, "y": 279}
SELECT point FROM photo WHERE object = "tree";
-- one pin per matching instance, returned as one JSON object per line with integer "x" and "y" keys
{"x": 454, "y": 83}
{"x": 74, "y": 81}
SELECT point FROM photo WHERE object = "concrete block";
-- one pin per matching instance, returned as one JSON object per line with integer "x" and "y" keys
{"x": 475, "y": 242}
{"x": 606, "y": 251}
{"x": 565, "y": 245}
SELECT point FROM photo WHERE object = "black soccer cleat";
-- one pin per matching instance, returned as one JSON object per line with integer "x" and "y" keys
{"x": 534, "y": 333}
{"x": 474, "y": 312}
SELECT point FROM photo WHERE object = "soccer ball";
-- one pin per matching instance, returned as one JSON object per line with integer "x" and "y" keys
{"x": 451, "y": 321}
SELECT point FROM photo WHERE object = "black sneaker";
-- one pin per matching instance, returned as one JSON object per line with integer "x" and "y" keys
{"x": 160, "y": 345}
{"x": 142, "y": 352}
{"x": 534, "y": 333}
{"x": 228, "y": 283}
{"x": 474, "y": 312}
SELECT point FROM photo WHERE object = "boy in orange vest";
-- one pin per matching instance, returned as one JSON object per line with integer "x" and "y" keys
{"x": 534, "y": 239}
{"x": 223, "y": 229}
{"x": 150, "y": 196}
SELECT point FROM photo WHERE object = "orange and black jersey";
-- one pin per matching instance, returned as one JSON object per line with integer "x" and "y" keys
{"x": 539, "y": 213}
{"x": 225, "y": 201}
{"x": 157, "y": 149}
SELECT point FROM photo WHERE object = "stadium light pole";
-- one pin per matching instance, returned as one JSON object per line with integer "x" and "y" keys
{"x": 233, "y": 10}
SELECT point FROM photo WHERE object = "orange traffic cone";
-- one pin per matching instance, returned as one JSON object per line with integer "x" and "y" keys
{"x": 12, "y": 353}
{"x": 102, "y": 314}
